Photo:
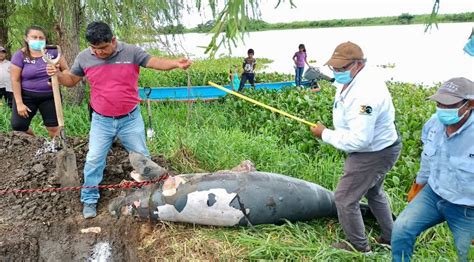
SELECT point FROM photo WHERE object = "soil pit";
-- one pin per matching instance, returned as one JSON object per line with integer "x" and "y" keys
{"x": 47, "y": 226}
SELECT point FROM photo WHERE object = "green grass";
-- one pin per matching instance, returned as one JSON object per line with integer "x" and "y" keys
{"x": 219, "y": 135}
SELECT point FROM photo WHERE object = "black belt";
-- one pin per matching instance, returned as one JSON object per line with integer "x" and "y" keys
{"x": 117, "y": 117}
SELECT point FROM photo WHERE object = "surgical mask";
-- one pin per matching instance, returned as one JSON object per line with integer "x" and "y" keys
{"x": 343, "y": 77}
{"x": 449, "y": 116}
{"x": 469, "y": 47}
{"x": 37, "y": 45}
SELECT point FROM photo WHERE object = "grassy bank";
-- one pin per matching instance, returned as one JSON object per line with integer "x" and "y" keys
{"x": 403, "y": 19}
{"x": 219, "y": 135}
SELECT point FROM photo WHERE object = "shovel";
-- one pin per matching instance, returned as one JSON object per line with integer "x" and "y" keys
{"x": 66, "y": 166}
{"x": 149, "y": 131}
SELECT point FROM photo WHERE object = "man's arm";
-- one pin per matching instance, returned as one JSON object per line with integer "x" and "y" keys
{"x": 424, "y": 172}
{"x": 361, "y": 126}
{"x": 68, "y": 79}
{"x": 427, "y": 153}
{"x": 160, "y": 63}
{"x": 65, "y": 77}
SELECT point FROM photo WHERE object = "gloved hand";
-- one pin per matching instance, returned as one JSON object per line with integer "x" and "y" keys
{"x": 414, "y": 190}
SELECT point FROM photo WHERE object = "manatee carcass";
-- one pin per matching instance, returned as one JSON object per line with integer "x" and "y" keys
{"x": 238, "y": 197}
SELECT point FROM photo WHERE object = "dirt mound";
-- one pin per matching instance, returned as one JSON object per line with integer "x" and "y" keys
{"x": 47, "y": 226}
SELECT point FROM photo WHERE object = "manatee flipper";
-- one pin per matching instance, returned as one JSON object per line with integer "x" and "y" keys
{"x": 115, "y": 206}
{"x": 145, "y": 167}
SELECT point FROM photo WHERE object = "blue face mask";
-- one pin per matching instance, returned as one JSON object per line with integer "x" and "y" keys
{"x": 343, "y": 77}
{"x": 449, "y": 116}
{"x": 37, "y": 45}
{"x": 469, "y": 47}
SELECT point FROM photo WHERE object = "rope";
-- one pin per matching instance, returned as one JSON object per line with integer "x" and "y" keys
{"x": 124, "y": 185}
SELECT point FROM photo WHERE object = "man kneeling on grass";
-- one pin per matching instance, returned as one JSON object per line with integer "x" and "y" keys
{"x": 112, "y": 68}
{"x": 446, "y": 174}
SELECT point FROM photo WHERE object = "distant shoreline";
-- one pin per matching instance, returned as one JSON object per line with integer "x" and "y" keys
{"x": 403, "y": 19}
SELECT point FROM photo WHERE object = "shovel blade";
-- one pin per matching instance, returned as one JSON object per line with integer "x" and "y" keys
{"x": 66, "y": 168}
{"x": 150, "y": 133}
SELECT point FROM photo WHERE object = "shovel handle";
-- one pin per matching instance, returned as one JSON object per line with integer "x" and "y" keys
{"x": 57, "y": 101}
{"x": 48, "y": 59}
{"x": 148, "y": 105}
{"x": 147, "y": 91}
{"x": 55, "y": 83}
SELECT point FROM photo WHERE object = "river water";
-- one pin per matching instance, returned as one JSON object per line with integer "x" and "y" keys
{"x": 417, "y": 57}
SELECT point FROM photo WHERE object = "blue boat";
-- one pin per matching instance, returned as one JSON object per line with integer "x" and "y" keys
{"x": 204, "y": 93}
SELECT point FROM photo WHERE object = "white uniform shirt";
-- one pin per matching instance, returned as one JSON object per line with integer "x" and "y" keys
{"x": 363, "y": 115}
{"x": 5, "y": 81}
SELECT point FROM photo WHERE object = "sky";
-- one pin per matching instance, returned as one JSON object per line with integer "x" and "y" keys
{"x": 313, "y": 10}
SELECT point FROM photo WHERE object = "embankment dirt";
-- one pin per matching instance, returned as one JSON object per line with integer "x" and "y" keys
{"x": 47, "y": 226}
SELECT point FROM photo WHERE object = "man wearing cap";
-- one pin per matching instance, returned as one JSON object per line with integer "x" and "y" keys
{"x": 446, "y": 171}
{"x": 5, "y": 82}
{"x": 363, "y": 118}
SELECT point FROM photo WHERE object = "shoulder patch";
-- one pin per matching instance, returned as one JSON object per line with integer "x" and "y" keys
{"x": 365, "y": 110}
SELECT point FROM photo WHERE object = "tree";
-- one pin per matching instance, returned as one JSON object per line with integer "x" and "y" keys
{"x": 132, "y": 21}
{"x": 6, "y": 7}
{"x": 432, "y": 19}
{"x": 69, "y": 22}
{"x": 405, "y": 18}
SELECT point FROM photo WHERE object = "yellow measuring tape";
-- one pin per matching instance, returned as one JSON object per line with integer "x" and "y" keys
{"x": 261, "y": 104}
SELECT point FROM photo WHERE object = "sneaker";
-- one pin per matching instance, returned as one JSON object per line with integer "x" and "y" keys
{"x": 383, "y": 242}
{"x": 348, "y": 247}
{"x": 89, "y": 210}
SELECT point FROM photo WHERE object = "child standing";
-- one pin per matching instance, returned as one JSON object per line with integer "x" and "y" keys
{"x": 300, "y": 59}
{"x": 234, "y": 77}
{"x": 249, "y": 70}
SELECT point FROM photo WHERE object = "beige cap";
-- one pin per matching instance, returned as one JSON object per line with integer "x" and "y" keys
{"x": 344, "y": 54}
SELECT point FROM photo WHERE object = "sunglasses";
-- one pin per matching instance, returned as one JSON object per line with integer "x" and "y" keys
{"x": 342, "y": 69}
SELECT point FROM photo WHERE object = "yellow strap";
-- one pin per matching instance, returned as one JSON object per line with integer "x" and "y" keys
{"x": 261, "y": 104}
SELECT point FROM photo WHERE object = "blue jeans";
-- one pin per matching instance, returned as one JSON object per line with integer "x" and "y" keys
{"x": 298, "y": 75}
{"x": 425, "y": 211}
{"x": 131, "y": 132}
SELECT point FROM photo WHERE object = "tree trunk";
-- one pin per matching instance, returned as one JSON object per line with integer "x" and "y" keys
{"x": 68, "y": 38}
{"x": 6, "y": 8}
